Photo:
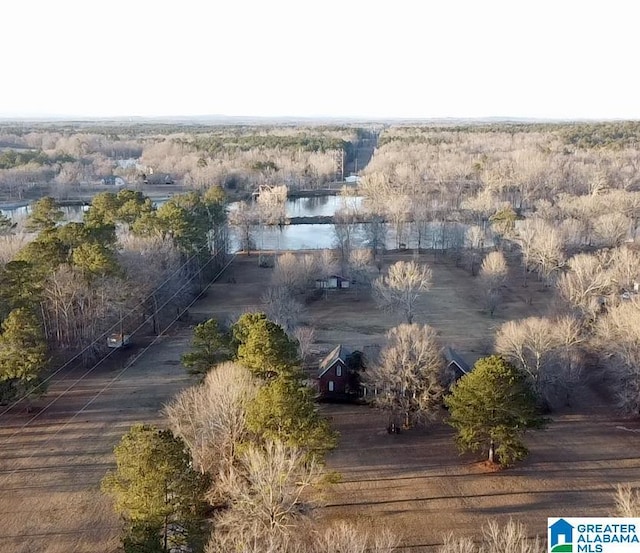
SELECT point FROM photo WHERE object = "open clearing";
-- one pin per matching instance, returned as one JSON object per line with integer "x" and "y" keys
{"x": 414, "y": 482}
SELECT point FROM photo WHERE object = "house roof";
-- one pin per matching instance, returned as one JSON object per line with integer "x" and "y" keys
{"x": 338, "y": 353}
{"x": 453, "y": 357}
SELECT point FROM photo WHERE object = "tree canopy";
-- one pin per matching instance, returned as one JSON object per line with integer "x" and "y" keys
{"x": 23, "y": 354}
{"x": 284, "y": 410}
{"x": 45, "y": 214}
{"x": 262, "y": 346}
{"x": 208, "y": 347}
{"x": 491, "y": 408}
{"x": 154, "y": 485}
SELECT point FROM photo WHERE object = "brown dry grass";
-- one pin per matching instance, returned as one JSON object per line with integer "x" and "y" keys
{"x": 50, "y": 471}
{"x": 418, "y": 485}
{"x": 414, "y": 482}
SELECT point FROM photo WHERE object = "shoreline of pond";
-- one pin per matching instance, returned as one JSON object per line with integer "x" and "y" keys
{"x": 85, "y": 199}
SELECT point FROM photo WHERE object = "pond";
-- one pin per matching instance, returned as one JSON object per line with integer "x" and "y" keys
{"x": 72, "y": 213}
{"x": 297, "y": 237}
{"x": 322, "y": 236}
{"x": 296, "y": 207}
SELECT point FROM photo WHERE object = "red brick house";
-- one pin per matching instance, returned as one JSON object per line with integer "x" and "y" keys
{"x": 334, "y": 374}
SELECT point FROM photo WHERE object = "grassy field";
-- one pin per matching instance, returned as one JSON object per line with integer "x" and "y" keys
{"x": 415, "y": 482}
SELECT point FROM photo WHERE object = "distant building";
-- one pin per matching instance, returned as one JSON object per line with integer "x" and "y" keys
{"x": 333, "y": 282}
{"x": 157, "y": 178}
{"x": 112, "y": 180}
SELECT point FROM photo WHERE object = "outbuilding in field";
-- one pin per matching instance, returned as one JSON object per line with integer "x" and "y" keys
{"x": 333, "y": 282}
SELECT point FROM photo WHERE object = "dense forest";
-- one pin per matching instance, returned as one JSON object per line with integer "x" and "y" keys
{"x": 66, "y": 161}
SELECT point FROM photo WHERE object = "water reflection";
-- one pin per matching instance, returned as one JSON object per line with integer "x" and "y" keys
{"x": 72, "y": 213}
{"x": 309, "y": 236}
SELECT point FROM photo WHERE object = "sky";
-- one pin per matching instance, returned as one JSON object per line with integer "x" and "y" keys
{"x": 560, "y": 59}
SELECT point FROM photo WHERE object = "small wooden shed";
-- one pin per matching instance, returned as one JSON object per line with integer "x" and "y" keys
{"x": 333, "y": 282}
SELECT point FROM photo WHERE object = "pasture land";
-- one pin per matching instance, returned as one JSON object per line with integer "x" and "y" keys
{"x": 52, "y": 461}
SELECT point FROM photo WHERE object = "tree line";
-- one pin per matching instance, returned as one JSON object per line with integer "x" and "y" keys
{"x": 128, "y": 265}
{"x": 65, "y": 161}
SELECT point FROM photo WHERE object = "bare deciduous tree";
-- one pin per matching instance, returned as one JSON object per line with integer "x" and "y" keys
{"x": 475, "y": 237}
{"x": 375, "y": 232}
{"x": 397, "y": 209}
{"x": 211, "y": 418}
{"x": 281, "y": 308}
{"x": 268, "y": 496}
{"x": 513, "y": 536}
{"x": 541, "y": 348}
{"x": 546, "y": 252}
{"x": 345, "y": 239}
{"x": 618, "y": 340}
{"x": 359, "y": 267}
{"x": 408, "y": 378}
{"x": 510, "y": 538}
{"x": 348, "y": 538}
{"x": 305, "y": 335}
{"x": 244, "y": 217}
{"x": 326, "y": 263}
{"x": 627, "y": 501}
{"x": 493, "y": 274}
{"x": 542, "y": 248}
{"x": 457, "y": 544}
{"x": 624, "y": 268}
{"x": 402, "y": 287}
{"x": 295, "y": 272}
{"x": 586, "y": 283}
{"x": 611, "y": 229}
{"x": 10, "y": 245}
{"x": 308, "y": 538}
{"x": 271, "y": 205}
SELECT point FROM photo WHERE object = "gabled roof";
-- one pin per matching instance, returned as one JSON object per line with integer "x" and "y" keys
{"x": 338, "y": 353}
{"x": 453, "y": 357}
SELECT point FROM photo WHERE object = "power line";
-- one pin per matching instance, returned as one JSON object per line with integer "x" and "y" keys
{"x": 105, "y": 333}
{"x": 124, "y": 369}
{"x": 98, "y": 363}
{"x": 120, "y": 373}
